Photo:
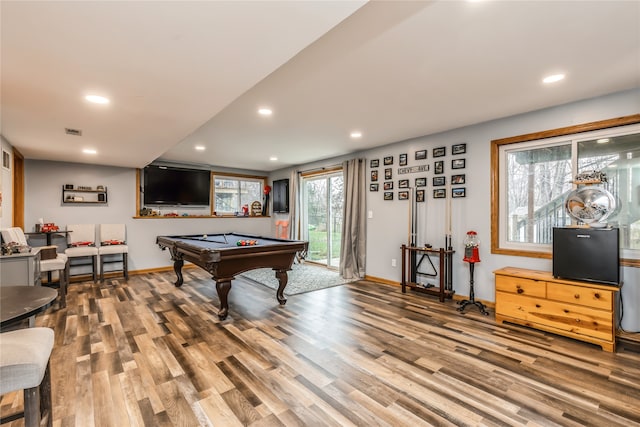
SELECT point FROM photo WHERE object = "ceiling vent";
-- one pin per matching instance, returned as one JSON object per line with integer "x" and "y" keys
{"x": 76, "y": 132}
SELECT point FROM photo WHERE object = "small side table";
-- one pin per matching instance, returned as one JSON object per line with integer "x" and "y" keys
{"x": 472, "y": 299}
{"x": 47, "y": 234}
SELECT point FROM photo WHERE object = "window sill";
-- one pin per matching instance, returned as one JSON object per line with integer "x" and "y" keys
{"x": 197, "y": 216}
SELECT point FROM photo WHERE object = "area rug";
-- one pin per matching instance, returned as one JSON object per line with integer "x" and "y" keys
{"x": 302, "y": 278}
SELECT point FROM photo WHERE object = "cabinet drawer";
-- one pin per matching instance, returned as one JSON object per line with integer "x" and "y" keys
{"x": 517, "y": 285}
{"x": 556, "y": 316}
{"x": 588, "y": 297}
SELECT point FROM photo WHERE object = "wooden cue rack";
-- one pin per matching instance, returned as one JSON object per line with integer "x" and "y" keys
{"x": 444, "y": 290}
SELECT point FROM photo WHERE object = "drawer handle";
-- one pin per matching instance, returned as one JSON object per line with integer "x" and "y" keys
{"x": 566, "y": 311}
{"x": 520, "y": 291}
{"x": 538, "y": 306}
{"x": 577, "y": 296}
{"x": 597, "y": 295}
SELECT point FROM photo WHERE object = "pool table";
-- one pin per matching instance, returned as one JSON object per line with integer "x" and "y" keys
{"x": 223, "y": 257}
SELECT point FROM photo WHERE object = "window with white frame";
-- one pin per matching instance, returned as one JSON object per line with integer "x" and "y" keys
{"x": 232, "y": 192}
{"x": 533, "y": 176}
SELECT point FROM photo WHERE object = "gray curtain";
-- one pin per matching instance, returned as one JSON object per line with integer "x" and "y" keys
{"x": 294, "y": 206}
{"x": 352, "y": 256}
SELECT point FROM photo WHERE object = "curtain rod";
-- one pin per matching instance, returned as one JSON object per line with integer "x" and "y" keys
{"x": 324, "y": 168}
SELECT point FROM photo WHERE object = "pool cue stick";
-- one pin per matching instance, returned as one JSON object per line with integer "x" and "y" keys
{"x": 202, "y": 239}
{"x": 449, "y": 265}
{"x": 413, "y": 224}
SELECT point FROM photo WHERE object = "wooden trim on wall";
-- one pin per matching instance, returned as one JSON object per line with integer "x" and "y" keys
{"x": 138, "y": 191}
{"x": 17, "y": 176}
{"x": 495, "y": 177}
{"x": 321, "y": 171}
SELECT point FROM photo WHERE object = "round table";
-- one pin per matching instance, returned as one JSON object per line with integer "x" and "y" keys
{"x": 22, "y": 302}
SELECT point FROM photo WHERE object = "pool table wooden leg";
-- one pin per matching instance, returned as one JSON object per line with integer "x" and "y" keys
{"x": 177, "y": 267}
{"x": 223, "y": 288}
{"x": 282, "y": 279}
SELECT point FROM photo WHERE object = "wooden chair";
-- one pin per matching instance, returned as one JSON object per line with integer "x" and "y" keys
{"x": 60, "y": 263}
{"x": 24, "y": 365}
{"x": 113, "y": 241}
{"x": 81, "y": 243}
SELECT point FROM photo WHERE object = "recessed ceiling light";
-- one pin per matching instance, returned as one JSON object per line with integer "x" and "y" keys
{"x": 602, "y": 140}
{"x": 356, "y": 134}
{"x": 553, "y": 78}
{"x": 265, "y": 111}
{"x": 273, "y": 158}
{"x": 89, "y": 151}
{"x": 200, "y": 147}
{"x": 97, "y": 99}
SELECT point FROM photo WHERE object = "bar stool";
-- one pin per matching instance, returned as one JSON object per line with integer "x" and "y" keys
{"x": 60, "y": 263}
{"x": 24, "y": 365}
{"x": 81, "y": 241}
{"x": 113, "y": 242}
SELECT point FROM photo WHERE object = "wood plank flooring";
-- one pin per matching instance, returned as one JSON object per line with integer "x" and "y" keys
{"x": 145, "y": 353}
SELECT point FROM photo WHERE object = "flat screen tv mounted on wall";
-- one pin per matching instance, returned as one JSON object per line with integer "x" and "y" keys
{"x": 281, "y": 196}
{"x": 589, "y": 254}
{"x": 172, "y": 186}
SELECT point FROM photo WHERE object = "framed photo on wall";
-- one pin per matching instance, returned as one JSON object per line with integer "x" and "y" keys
{"x": 403, "y": 183}
{"x": 457, "y": 164}
{"x": 440, "y": 152}
{"x": 374, "y": 163}
{"x": 402, "y": 160}
{"x": 388, "y": 185}
{"x": 374, "y": 175}
{"x": 388, "y": 160}
{"x": 438, "y": 167}
{"x": 439, "y": 181}
{"x": 457, "y": 179}
{"x": 458, "y": 149}
{"x": 440, "y": 193}
{"x": 388, "y": 195}
{"x": 420, "y": 196}
{"x": 388, "y": 173}
{"x": 421, "y": 182}
{"x": 458, "y": 192}
{"x": 421, "y": 154}
{"x": 373, "y": 187}
{"x": 403, "y": 195}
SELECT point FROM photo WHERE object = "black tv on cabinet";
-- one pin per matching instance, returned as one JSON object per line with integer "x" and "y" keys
{"x": 173, "y": 186}
{"x": 589, "y": 254}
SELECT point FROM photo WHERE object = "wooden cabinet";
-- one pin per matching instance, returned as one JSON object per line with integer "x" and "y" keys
{"x": 580, "y": 310}
{"x": 444, "y": 290}
{"x": 20, "y": 269}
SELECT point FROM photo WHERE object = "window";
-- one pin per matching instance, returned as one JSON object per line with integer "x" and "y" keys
{"x": 323, "y": 200}
{"x": 232, "y": 192}
{"x": 533, "y": 174}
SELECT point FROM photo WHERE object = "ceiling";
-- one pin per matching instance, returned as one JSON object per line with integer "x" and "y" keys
{"x": 181, "y": 73}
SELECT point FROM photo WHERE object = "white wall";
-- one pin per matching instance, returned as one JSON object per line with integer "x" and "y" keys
{"x": 6, "y": 211}
{"x": 389, "y": 227}
{"x": 43, "y": 199}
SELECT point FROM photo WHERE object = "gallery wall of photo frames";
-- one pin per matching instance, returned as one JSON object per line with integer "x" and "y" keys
{"x": 415, "y": 175}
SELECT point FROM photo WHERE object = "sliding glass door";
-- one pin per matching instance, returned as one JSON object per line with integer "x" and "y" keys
{"x": 323, "y": 198}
